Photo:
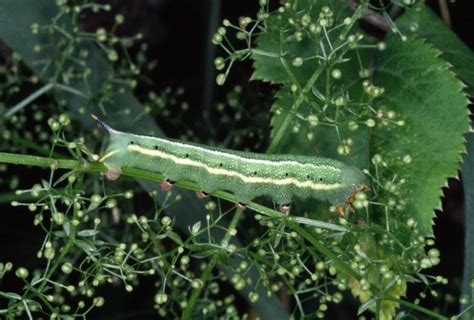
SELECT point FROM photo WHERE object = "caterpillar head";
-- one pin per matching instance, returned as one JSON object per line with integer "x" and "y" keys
{"x": 115, "y": 152}
{"x": 354, "y": 178}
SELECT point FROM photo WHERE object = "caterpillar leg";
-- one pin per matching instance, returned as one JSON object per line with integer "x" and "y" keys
{"x": 341, "y": 209}
{"x": 241, "y": 206}
{"x": 285, "y": 208}
{"x": 113, "y": 174}
{"x": 167, "y": 185}
{"x": 351, "y": 198}
{"x": 202, "y": 194}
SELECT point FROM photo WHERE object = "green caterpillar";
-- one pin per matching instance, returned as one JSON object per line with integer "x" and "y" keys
{"x": 247, "y": 175}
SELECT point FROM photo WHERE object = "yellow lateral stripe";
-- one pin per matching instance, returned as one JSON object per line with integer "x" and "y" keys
{"x": 237, "y": 157}
{"x": 218, "y": 171}
{"x": 108, "y": 155}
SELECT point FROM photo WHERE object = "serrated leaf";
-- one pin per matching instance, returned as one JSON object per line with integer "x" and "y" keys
{"x": 278, "y": 47}
{"x": 422, "y": 90}
{"x": 292, "y": 128}
{"x": 425, "y": 23}
{"x": 304, "y": 138}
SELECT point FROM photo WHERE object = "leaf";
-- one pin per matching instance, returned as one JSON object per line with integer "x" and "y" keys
{"x": 34, "y": 304}
{"x": 60, "y": 234}
{"x": 85, "y": 246}
{"x": 425, "y": 23}
{"x": 10, "y": 295}
{"x": 175, "y": 237}
{"x": 280, "y": 45}
{"x": 295, "y": 114}
{"x": 87, "y": 233}
{"x": 304, "y": 138}
{"x": 66, "y": 226}
{"x": 196, "y": 227}
{"x": 204, "y": 253}
{"x": 422, "y": 90}
{"x": 387, "y": 308}
{"x": 366, "y": 305}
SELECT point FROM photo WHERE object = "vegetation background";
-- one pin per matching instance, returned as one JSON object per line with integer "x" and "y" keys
{"x": 178, "y": 36}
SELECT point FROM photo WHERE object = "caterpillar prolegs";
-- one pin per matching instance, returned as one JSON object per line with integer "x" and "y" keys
{"x": 247, "y": 175}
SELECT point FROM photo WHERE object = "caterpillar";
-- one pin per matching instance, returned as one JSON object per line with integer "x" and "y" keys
{"x": 247, "y": 175}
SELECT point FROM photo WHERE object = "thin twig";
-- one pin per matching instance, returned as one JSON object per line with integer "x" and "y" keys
{"x": 371, "y": 17}
{"x": 443, "y": 7}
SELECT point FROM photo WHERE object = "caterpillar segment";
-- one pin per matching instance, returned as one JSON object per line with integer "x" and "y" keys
{"x": 245, "y": 174}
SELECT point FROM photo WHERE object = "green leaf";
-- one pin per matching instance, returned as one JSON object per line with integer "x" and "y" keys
{"x": 10, "y": 295}
{"x": 366, "y": 305}
{"x": 425, "y": 23}
{"x": 85, "y": 246}
{"x": 87, "y": 233}
{"x": 422, "y": 90}
{"x": 296, "y": 112}
{"x": 175, "y": 237}
{"x": 302, "y": 137}
{"x": 278, "y": 47}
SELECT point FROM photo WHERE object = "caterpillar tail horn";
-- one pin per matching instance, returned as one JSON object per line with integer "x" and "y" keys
{"x": 106, "y": 127}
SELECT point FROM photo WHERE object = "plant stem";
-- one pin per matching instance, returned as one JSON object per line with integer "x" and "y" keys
{"x": 341, "y": 265}
{"x": 32, "y": 97}
{"x": 188, "y": 312}
{"x": 416, "y": 307}
{"x": 281, "y": 131}
{"x": 291, "y": 222}
{"x": 57, "y": 262}
{"x": 84, "y": 166}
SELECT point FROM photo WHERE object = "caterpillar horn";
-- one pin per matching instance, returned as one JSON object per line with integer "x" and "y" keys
{"x": 106, "y": 127}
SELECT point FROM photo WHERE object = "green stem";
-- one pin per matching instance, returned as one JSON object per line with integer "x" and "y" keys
{"x": 432, "y": 314}
{"x": 84, "y": 166}
{"x": 281, "y": 130}
{"x": 58, "y": 260}
{"x": 7, "y": 197}
{"x": 32, "y": 97}
{"x": 291, "y": 221}
{"x": 188, "y": 312}
{"x": 15, "y": 138}
{"x": 340, "y": 264}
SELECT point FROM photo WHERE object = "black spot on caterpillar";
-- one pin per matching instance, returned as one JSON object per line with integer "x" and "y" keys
{"x": 247, "y": 175}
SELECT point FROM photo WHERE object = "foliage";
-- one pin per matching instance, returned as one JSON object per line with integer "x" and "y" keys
{"x": 394, "y": 108}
